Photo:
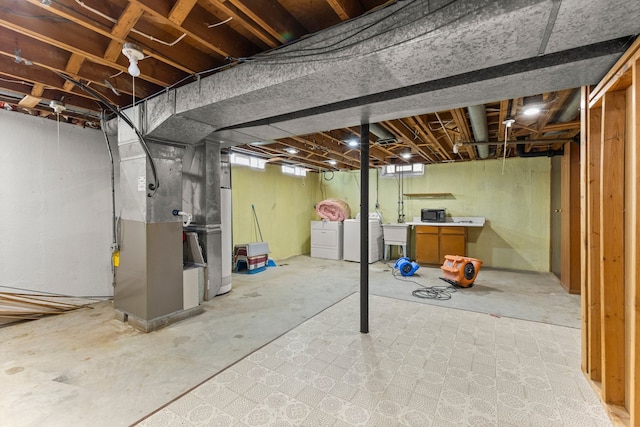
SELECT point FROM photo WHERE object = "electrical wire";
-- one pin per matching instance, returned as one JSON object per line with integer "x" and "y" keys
{"x": 441, "y": 293}
{"x": 133, "y": 30}
{"x": 114, "y": 232}
{"x": 274, "y": 58}
{"x": 220, "y": 23}
{"x": 26, "y": 15}
{"x": 22, "y": 82}
{"x": 358, "y": 31}
{"x": 156, "y": 183}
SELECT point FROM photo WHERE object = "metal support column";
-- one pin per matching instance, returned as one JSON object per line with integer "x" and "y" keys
{"x": 364, "y": 228}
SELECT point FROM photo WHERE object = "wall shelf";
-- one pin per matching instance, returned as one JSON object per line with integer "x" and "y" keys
{"x": 429, "y": 195}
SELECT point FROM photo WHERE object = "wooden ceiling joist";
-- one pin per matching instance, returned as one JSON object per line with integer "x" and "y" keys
{"x": 273, "y": 18}
{"x": 346, "y": 9}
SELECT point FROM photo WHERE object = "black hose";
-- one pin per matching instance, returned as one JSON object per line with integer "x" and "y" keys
{"x": 156, "y": 183}
{"x": 113, "y": 197}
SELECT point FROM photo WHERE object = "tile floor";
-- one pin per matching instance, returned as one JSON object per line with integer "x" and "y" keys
{"x": 421, "y": 365}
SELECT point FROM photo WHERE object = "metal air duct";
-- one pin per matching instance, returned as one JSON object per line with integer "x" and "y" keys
{"x": 478, "y": 119}
{"x": 382, "y": 134}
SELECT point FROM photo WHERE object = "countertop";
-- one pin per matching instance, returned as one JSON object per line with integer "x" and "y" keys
{"x": 454, "y": 221}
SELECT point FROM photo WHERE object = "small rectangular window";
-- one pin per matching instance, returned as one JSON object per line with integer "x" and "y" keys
{"x": 415, "y": 169}
{"x": 294, "y": 170}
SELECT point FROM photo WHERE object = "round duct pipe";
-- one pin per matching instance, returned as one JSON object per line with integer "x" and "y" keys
{"x": 111, "y": 127}
{"x": 380, "y": 132}
{"x": 478, "y": 120}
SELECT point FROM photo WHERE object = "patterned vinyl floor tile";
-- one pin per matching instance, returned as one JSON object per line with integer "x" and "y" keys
{"x": 420, "y": 365}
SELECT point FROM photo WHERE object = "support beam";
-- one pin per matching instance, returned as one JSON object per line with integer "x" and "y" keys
{"x": 584, "y": 223}
{"x": 634, "y": 339}
{"x": 126, "y": 22}
{"x": 272, "y": 17}
{"x": 364, "y": 228}
{"x": 612, "y": 234}
{"x": 570, "y": 217}
{"x": 346, "y": 9}
{"x": 593, "y": 243}
{"x": 30, "y": 101}
{"x": 72, "y": 69}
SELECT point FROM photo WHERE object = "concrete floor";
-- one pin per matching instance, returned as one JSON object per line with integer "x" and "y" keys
{"x": 88, "y": 368}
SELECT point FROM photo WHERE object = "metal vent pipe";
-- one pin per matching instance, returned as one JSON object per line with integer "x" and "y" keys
{"x": 478, "y": 119}
{"x": 380, "y": 132}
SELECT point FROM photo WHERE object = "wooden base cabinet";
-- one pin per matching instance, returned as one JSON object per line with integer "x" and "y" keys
{"x": 434, "y": 242}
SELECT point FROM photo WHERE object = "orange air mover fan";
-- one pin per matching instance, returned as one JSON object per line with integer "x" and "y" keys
{"x": 460, "y": 271}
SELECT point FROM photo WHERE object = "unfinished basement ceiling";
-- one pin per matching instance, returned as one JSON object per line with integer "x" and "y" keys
{"x": 438, "y": 77}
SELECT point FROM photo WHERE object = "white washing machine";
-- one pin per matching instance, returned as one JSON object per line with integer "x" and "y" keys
{"x": 326, "y": 239}
{"x": 351, "y": 246}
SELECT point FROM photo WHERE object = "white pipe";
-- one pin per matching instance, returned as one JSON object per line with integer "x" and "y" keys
{"x": 187, "y": 217}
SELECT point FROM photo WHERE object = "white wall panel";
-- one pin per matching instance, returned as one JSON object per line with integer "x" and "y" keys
{"x": 55, "y": 207}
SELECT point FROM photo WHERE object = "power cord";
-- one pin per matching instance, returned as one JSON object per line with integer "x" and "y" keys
{"x": 441, "y": 293}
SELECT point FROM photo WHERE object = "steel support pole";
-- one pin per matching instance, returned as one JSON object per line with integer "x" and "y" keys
{"x": 364, "y": 228}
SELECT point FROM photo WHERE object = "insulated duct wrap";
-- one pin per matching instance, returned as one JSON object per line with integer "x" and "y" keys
{"x": 478, "y": 119}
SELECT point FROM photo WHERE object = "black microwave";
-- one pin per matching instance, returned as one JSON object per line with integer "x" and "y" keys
{"x": 432, "y": 215}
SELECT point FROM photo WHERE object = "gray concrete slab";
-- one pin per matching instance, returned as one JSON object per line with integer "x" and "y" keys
{"x": 87, "y": 368}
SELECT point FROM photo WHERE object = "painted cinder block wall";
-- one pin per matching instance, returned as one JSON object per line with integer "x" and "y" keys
{"x": 284, "y": 208}
{"x": 516, "y": 204}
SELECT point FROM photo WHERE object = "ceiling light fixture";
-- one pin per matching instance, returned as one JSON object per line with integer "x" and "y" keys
{"x": 291, "y": 150}
{"x": 58, "y": 106}
{"x": 332, "y": 162}
{"x": 134, "y": 53}
{"x": 406, "y": 155}
{"x": 532, "y": 105}
{"x": 46, "y": 2}
{"x": 352, "y": 142}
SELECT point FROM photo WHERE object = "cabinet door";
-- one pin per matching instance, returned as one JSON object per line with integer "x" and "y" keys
{"x": 427, "y": 245}
{"x": 453, "y": 241}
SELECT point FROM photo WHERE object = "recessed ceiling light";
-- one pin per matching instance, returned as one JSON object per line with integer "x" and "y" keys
{"x": 531, "y": 105}
{"x": 531, "y": 111}
{"x": 291, "y": 150}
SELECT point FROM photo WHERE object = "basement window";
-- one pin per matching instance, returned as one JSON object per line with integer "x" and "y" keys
{"x": 294, "y": 170}
{"x": 414, "y": 169}
{"x": 244, "y": 160}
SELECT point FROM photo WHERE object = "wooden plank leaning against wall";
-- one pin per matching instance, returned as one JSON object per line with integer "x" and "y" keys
{"x": 610, "y": 157}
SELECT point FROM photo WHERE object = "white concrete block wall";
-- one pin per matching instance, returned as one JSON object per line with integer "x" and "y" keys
{"x": 55, "y": 207}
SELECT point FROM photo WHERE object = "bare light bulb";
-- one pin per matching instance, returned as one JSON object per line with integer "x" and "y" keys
{"x": 133, "y": 52}
{"x": 133, "y": 69}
